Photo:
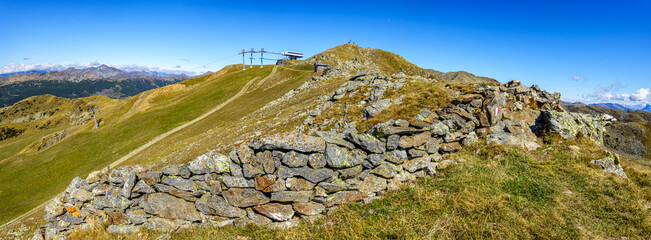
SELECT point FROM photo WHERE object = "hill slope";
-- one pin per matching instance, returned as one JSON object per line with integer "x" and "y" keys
{"x": 76, "y": 83}
{"x": 522, "y": 189}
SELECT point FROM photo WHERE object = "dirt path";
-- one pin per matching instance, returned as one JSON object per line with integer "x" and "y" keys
{"x": 148, "y": 144}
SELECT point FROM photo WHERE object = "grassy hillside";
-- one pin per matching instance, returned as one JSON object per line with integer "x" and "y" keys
{"x": 125, "y": 127}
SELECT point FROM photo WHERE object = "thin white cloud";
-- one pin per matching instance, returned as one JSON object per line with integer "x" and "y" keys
{"x": 639, "y": 95}
{"x": 22, "y": 67}
{"x": 578, "y": 78}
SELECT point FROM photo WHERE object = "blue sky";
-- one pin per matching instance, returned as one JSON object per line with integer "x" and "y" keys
{"x": 588, "y": 50}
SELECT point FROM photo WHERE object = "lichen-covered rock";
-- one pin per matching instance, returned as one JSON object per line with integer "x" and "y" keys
{"x": 122, "y": 229}
{"x": 611, "y": 164}
{"x": 244, "y": 197}
{"x": 294, "y": 159}
{"x": 291, "y": 196}
{"x": 137, "y": 216}
{"x": 180, "y": 183}
{"x": 215, "y": 205}
{"x": 308, "y": 208}
{"x": 344, "y": 197}
{"x": 372, "y": 184}
{"x": 335, "y": 185}
{"x": 415, "y": 140}
{"x": 142, "y": 187}
{"x": 376, "y": 107}
{"x": 129, "y": 183}
{"x": 290, "y": 141}
{"x": 167, "y": 206}
{"x": 237, "y": 182}
{"x": 385, "y": 170}
{"x": 317, "y": 160}
{"x": 310, "y": 174}
{"x": 208, "y": 163}
{"x": 275, "y": 211}
{"x": 440, "y": 129}
{"x": 298, "y": 184}
{"x": 416, "y": 164}
{"x": 450, "y": 147}
{"x": 81, "y": 195}
{"x": 338, "y": 157}
{"x": 335, "y": 138}
{"x": 367, "y": 142}
{"x": 152, "y": 177}
{"x": 568, "y": 124}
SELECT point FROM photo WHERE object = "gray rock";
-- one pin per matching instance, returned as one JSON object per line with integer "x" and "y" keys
{"x": 367, "y": 142}
{"x": 344, "y": 197}
{"x": 298, "y": 184}
{"x": 470, "y": 139}
{"x": 72, "y": 220}
{"x": 294, "y": 159}
{"x": 309, "y": 208}
{"x": 385, "y": 170}
{"x": 215, "y": 205}
{"x": 137, "y": 216}
{"x": 180, "y": 183}
{"x": 440, "y": 129}
{"x": 77, "y": 183}
{"x": 415, "y": 140}
{"x": 122, "y": 229}
{"x": 393, "y": 142}
{"x": 236, "y": 170}
{"x": 276, "y": 211}
{"x": 611, "y": 164}
{"x": 396, "y": 156}
{"x": 450, "y": 147}
{"x": 251, "y": 171}
{"x": 129, "y": 183}
{"x": 335, "y": 186}
{"x": 495, "y": 105}
{"x": 80, "y": 194}
{"x": 237, "y": 182}
{"x": 416, "y": 164}
{"x": 350, "y": 172}
{"x": 142, "y": 187}
{"x": 372, "y": 184}
{"x": 335, "y": 138}
{"x": 291, "y": 196}
{"x": 244, "y": 197}
{"x": 376, "y": 107}
{"x": 207, "y": 163}
{"x": 317, "y": 160}
{"x": 160, "y": 224}
{"x": 338, "y": 157}
{"x": 415, "y": 153}
{"x": 166, "y": 206}
{"x": 290, "y": 141}
{"x": 152, "y": 177}
{"x": 256, "y": 218}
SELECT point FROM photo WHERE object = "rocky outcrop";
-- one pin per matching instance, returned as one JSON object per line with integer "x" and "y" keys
{"x": 568, "y": 124}
{"x": 278, "y": 179}
{"x": 611, "y": 164}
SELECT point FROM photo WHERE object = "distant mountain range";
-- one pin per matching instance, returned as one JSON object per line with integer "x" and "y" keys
{"x": 617, "y": 106}
{"x": 92, "y": 73}
{"x": 74, "y": 83}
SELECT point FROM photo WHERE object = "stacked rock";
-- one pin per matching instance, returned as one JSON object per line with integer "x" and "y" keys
{"x": 279, "y": 179}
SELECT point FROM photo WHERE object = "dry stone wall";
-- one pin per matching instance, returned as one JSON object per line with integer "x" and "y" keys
{"x": 279, "y": 179}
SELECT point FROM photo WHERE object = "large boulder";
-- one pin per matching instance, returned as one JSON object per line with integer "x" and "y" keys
{"x": 208, "y": 163}
{"x": 166, "y": 206}
{"x": 568, "y": 124}
{"x": 215, "y": 205}
{"x": 245, "y": 197}
{"x": 290, "y": 141}
{"x": 338, "y": 157}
